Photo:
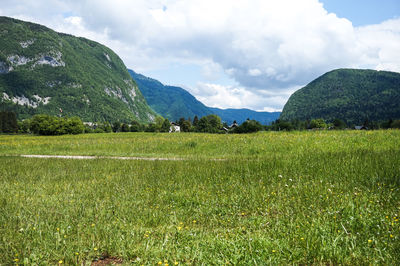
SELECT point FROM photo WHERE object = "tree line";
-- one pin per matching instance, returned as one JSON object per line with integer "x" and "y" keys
{"x": 51, "y": 125}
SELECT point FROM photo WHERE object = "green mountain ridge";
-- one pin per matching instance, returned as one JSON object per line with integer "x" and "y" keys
{"x": 42, "y": 71}
{"x": 352, "y": 95}
{"x": 240, "y": 115}
{"x": 169, "y": 101}
{"x": 174, "y": 102}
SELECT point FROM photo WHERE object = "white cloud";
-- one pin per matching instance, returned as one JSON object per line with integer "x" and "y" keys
{"x": 265, "y": 46}
{"x": 380, "y": 45}
{"x": 215, "y": 95}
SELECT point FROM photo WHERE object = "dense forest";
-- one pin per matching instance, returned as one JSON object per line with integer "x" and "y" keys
{"x": 352, "y": 95}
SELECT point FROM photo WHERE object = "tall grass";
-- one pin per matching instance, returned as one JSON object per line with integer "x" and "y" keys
{"x": 303, "y": 198}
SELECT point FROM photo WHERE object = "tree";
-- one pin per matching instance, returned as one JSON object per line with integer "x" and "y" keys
{"x": 209, "y": 123}
{"x": 318, "y": 123}
{"x": 166, "y": 125}
{"x": 50, "y": 125}
{"x": 23, "y": 126}
{"x": 339, "y": 124}
{"x": 151, "y": 127}
{"x": 74, "y": 125}
{"x": 107, "y": 127}
{"x": 158, "y": 121}
{"x": 125, "y": 128}
{"x": 280, "y": 125}
{"x": 395, "y": 124}
{"x": 116, "y": 127}
{"x": 181, "y": 121}
{"x": 186, "y": 126}
{"x": 195, "y": 121}
{"x": 248, "y": 126}
{"x": 135, "y": 126}
{"x": 8, "y": 122}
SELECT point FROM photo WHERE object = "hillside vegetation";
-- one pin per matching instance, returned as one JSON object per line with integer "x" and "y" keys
{"x": 42, "y": 71}
{"x": 169, "y": 101}
{"x": 352, "y": 95}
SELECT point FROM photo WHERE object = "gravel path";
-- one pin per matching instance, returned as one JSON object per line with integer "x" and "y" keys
{"x": 80, "y": 157}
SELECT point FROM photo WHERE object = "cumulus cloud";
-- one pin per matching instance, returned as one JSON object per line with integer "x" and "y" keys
{"x": 264, "y": 46}
{"x": 215, "y": 95}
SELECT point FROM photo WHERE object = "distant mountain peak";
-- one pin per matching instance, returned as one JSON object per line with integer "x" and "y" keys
{"x": 174, "y": 102}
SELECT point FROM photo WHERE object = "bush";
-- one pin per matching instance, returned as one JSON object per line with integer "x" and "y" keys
{"x": 125, "y": 128}
{"x": 136, "y": 126}
{"x": 50, "y": 125}
{"x": 209, "y": 124}
{"x": 318, "y": 123}
{"x": 339, "y": 124}
{"x": 395, "y": 124}
{"x": 8, "y": 122}
{"x": 248, "y": 126}
{"x": 166, "y": 125}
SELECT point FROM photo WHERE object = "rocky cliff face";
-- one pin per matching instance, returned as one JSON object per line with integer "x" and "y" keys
{"x": 42, "y": 71}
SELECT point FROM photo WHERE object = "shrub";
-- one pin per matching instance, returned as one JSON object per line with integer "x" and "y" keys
{"x": 248, "y": 126}
{"x": 50, "y": 125}
{"x": 8, "y": 122}
{"x": 318, "y": 123}
{"x": 209, "y": 124}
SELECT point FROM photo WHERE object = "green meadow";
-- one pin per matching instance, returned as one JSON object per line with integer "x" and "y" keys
{"x": 315, "y": 197}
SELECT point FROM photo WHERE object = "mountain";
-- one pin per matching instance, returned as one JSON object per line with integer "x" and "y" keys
{"x": 174, "y": 102}
{"x": 352, "y": 95}
{"x": 169, "y": 101}
{"x": 241, "y": 115}
{"x": 42, "y": 71}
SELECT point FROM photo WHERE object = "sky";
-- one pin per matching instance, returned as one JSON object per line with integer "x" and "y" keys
{"x": 231, "y": 53}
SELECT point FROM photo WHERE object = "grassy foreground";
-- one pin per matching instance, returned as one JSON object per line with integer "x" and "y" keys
{"x": 299, "y": 197}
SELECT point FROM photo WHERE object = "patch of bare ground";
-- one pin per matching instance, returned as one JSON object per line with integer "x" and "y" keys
{"x": 107, "y": 260}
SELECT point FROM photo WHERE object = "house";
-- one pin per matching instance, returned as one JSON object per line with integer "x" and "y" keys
{"x": 234, "y": 124}
{"x": 227, "y": 129}
{"x": 174, "y": 127}
{"x": 361, "y": 128}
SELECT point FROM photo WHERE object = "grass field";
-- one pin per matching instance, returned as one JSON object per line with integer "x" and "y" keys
{"x": 275, "y": 198}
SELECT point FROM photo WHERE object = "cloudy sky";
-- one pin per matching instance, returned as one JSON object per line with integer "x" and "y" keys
{"x": 231, "y": 53}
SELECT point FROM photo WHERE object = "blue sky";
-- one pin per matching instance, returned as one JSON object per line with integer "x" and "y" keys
{"x": 231, "y": 53}
{"x": 364, "y": 12}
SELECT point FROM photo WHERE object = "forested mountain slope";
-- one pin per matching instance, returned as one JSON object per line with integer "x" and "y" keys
{"x": 42, "y": 71}
{"x": 353, "y": 95}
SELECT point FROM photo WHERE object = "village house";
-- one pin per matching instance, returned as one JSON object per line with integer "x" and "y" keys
{"x": 174, "y": 127}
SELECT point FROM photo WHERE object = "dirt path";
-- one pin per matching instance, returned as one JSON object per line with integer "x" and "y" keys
{"x": 83, "y": 157}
